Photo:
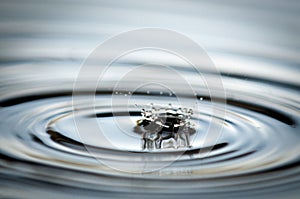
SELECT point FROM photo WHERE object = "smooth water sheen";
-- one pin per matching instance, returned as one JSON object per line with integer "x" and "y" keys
{"x": 254, "y": 45}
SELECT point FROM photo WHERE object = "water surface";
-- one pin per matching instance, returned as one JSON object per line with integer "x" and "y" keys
{"x": 255, "y": 47}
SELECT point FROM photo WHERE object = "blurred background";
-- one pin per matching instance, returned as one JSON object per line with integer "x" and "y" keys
{"x": 234, "y": 33}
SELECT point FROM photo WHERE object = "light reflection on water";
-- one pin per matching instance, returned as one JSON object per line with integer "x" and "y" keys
{"x": 253, "y": 44}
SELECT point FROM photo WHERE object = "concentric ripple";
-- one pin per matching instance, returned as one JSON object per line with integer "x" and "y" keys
{"x": 255, "y": 155}
{"x": 254, "y": 143}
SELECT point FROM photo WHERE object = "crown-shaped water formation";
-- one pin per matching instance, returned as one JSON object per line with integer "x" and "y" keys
{"x": 165, "y": 127}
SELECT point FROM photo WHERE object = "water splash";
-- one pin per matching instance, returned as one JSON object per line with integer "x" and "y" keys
{"x": 165, "y": 127}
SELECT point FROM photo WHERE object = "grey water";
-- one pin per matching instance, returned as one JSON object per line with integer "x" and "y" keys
{"x": 255, "y": 153}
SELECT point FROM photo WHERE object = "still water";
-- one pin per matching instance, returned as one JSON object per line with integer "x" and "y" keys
{"x": 254, "y": 154}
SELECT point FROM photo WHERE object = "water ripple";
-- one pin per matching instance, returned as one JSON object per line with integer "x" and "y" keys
{"x": 253, "y": 44}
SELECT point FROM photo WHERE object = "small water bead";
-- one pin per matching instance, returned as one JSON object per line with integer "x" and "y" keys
{"x": 138, "y": 106}
{"x": 143, "y": 112}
